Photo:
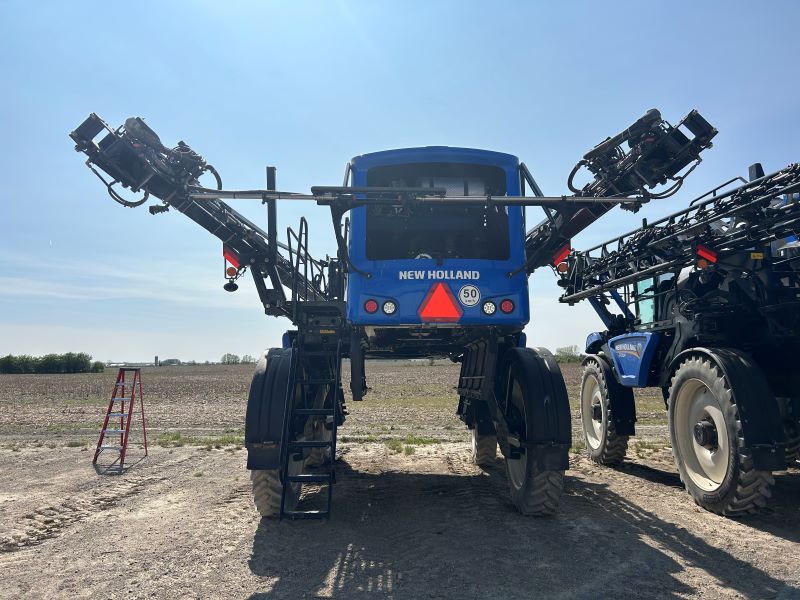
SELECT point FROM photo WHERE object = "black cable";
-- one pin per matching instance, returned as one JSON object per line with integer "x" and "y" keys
{"x": 216, "y": 175}
{"x": 572, "y": 174}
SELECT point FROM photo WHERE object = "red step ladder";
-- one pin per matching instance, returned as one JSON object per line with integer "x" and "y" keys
{"x": 122, "y": 405}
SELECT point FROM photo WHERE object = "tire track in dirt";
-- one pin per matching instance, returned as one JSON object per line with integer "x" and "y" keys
{"x": 49, "y": 521}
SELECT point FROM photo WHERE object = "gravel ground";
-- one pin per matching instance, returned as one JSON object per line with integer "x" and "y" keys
{"x": 412, "y": 517}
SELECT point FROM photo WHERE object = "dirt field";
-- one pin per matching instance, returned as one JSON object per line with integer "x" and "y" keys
{"x": 412, "y": 517}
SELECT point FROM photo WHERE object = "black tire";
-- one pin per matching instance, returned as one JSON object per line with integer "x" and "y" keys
{"x": 603, "y": 445}
{"x": 534, "y": 377}
{"x": 317, "y": 431}
{"x": 484, "y": 448}
{"x": 791, "y": 424}
{"x": 267, "y": 489}
{"x": 265, "y": 417}
{"x": 708, "y": 443}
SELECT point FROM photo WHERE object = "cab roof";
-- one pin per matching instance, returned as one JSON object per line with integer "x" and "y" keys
{"x": 437, "y": 154}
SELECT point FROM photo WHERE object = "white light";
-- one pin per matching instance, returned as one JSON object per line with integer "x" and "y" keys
{"x": 389, "y": 307}
{"x": 489, "y": 307}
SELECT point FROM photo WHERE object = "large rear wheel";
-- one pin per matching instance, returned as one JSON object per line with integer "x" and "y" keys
{"x": 708, "y": 443}
{"x": 603, "y": 444}
{"x": 534, "y": 387}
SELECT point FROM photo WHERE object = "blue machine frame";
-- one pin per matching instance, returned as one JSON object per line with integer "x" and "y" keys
{"x": 387, "y": 278}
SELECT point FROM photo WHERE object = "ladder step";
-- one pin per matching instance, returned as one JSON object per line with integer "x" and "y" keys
{"x": 311, "y": 478}
{"x": 306, "y": 514}
{"x": 312, "y": 444}
{"x": 114, "y": 430}
{"x": 118, "y": 414}
{"x": 110, "y": 447}
{"x": 314, "y": 411}
{"x": 119, "y": 399}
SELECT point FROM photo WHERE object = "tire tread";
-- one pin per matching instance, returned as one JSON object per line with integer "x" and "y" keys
{"x": 613, "y": 452}
{"x": 753, "y": 487}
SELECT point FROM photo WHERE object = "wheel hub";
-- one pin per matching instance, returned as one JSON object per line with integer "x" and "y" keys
{"x": 705, "y": 434}
{"x": 597, "y": 412}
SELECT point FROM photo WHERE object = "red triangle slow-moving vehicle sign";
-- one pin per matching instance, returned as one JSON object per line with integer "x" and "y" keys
{"x": 440, "y": 305}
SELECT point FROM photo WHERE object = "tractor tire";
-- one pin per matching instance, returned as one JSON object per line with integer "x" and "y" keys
{"x": 708, "y": 444}
{"x": 603, "y": 445}
{"x": 531, "y": 377}
{"x": 791, "y": 426}
{"x": 484, "y": 448}
{"x": 267, "y": 489}
{"x": 318, "y": 457}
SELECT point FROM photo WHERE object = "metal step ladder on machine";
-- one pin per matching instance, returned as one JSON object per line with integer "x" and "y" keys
{"x": 119, "y": 414}
{"x": 306, "y": 357}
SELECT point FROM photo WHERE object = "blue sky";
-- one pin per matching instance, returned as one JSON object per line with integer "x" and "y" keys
{"x": 307, "y": 85}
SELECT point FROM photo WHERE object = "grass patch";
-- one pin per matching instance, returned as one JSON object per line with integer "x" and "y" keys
{"x": 172, "y": 439}
{"x": 409, "y": 450}
{"x": 578, "y": 447}
{"x": 227, "y": 439}
{"x": 415, "y": 440}
{"x": 394, "y": 445}
{"x": 643, "y": 447}
{"x": 75, "y": 443}
{"x": 198, "y": 474}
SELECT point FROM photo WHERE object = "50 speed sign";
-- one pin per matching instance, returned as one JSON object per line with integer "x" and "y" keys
{"x": 469, "y": 295}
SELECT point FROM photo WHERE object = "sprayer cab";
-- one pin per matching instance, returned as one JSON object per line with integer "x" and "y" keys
{"x": 443, "y": 265}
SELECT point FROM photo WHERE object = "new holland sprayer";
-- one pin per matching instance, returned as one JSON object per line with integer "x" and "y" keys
{"x": 432, "y": 260}
{"x": 704, "y": 304}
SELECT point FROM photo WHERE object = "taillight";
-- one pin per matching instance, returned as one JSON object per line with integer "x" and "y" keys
{"x": 371, "y": 306}
{"x": 507, "y": 306}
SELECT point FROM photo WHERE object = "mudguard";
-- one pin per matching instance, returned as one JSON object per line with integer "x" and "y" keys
{"x": 623, "y": 407}
{"x": 266, "y": 406}
{"x": 758, "y": 410}
{"x": 549, "y": 432}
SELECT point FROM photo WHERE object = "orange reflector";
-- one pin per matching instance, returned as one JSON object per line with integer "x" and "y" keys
{"x": 706, "y": 253}
{"x": 231, "y": 257}
{"x": 562, "y": 254}
{"x": 702, "y": 263}
{"x": 440, "y": 305}
{"x": 562, "y": 267}
{"x": 231, "y": 271}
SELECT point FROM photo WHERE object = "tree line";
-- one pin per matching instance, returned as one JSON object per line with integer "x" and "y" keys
{"x": 71, "y": 362}
{"x": 233, "y": 359}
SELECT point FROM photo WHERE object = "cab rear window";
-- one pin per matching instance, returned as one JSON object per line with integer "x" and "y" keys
{"x": 438, "y": 231}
